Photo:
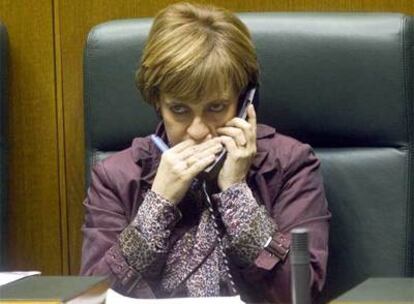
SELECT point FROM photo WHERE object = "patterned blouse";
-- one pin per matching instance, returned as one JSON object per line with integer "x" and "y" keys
{"x": 247, "y": 226}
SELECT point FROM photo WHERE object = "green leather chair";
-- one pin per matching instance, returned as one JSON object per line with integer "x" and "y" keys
{"x": 3, "y": 121}
{"x": 340, "y": 82}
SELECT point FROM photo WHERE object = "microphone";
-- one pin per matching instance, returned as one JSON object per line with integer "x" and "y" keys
{"x": 299, "y": 261}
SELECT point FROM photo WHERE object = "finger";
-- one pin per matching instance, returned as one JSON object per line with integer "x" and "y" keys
{"x": 248, "y": 129}
{"x": 183, "y": 145}
{"x": 192, "y": 150}
{"x": 238, "y": 123}
{"x": 204, "y": 153}
{"x": 251, "y": 116}
{"x": 170, "y": 158}
{"x": 229, "y": 143}
{"x": 199, "y": 166}
{"x": 235, "y": 133}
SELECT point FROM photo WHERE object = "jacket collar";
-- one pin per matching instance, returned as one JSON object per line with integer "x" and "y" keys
{"x": 148, "y": 156}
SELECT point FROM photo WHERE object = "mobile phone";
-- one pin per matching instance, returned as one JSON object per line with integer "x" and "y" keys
{"x": 211, "y": 172}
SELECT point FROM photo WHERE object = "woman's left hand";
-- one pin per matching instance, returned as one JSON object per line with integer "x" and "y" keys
{"x": 239, "y": 138}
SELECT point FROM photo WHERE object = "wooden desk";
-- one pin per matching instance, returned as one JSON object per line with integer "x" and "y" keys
{"x": 380, "y": 290}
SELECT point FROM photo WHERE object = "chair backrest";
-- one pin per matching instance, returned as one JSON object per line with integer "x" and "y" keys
{"x": 340, "y": 82}
{"x": 3, "y": 142}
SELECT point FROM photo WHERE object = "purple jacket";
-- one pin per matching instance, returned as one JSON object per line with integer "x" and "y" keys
{"x": 285, "y": 177}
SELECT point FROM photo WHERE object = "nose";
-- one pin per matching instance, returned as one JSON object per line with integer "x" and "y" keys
{"x": 198, "y": 130}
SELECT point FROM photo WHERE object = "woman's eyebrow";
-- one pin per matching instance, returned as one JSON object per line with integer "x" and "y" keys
{"x": 178, "y": 102}
{"x": 174, "y": 102}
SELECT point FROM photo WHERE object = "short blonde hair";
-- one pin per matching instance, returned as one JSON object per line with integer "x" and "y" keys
{"x": 193, "y": 51}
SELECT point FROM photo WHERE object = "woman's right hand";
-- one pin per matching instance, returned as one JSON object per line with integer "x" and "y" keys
{"x": 180, "y": 165}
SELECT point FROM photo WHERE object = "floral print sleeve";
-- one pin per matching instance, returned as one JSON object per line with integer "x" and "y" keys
{"x": 248, "y": 224}
{"x": 147, "y": 237}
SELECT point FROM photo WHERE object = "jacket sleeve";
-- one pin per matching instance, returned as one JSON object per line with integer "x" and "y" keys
{"x": 125, "y": 252}
{"x": 300, "y": 202}
{"x": 248, "y": 224}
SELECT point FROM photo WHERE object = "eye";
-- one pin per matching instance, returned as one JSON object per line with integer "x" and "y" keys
{"x": 179, "y": 109}
{"x": 217, "y": 107}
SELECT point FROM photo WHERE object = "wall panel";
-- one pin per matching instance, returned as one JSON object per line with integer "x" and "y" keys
{"x": 76, "y": 17}
{"x": 33, "y": 219}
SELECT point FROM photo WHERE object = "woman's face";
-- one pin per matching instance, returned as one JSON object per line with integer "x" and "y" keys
{"x": 197, "y": 120}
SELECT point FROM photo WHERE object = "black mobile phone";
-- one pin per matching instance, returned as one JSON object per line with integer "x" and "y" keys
{"x": 211, "y": 172}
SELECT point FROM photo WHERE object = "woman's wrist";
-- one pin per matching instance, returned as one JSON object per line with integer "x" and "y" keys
{"x": 247, "y": 223}
{"x": 166, "y": 193}
{"x": 234, "y": 205}
{"x": 155, "y": 219}
{"x": 226, "y": 185}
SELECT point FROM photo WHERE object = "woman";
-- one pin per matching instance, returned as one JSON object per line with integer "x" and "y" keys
{"x": 147, "y": 223}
